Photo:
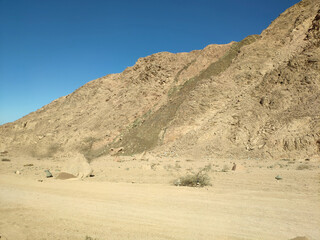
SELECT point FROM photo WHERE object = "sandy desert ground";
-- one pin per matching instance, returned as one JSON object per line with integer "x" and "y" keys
{"x": 130, "y": 198}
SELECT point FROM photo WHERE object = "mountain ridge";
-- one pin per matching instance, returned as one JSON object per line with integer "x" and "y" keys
{"x": 256, "y": 98}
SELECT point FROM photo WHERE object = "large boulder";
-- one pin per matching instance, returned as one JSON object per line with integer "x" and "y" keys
{"x": 77, "y": 165}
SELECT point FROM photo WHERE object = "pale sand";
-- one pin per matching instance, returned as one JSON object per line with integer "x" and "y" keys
{"x": 246, "y": 204}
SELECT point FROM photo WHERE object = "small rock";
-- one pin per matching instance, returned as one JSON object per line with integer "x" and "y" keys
{"x": 278, "y": 177}
{"x": 114, "y": 151}
{"x": 48, "y": 173}
{"x": 17, "y": 172}
{"x": 234, "y": 166}
{"x": 300, "y": 238}
{"x": 312, "y": 59}
{"x": 64, "y": 176}
{"x": 178, "y": 182}
{"x": 40, "y": 180}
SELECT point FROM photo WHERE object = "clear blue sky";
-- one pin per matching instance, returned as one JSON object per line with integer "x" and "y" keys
{"x": 49, "y": 48}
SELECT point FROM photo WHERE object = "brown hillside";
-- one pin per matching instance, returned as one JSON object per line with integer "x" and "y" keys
{"x": 256, "y": 98}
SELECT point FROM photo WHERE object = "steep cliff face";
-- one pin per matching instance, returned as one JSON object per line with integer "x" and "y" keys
{"x": 256, "y": 98}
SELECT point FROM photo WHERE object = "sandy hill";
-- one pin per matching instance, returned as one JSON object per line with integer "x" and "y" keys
{"x": 256, "y": 98}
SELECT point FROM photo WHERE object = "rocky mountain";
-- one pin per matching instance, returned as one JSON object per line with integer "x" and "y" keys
{"x": 258, "y": 98}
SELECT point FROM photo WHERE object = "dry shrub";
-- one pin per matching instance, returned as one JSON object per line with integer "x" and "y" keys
{"x": 303, "y": 167}
{"x": 200, "y": 179}
{"x": 90, "y": 238}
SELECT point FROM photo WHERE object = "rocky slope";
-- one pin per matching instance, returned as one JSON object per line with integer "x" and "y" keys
{"x": 256, "y": 98}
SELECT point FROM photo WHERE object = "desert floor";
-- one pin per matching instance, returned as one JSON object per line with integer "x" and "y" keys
{"x": 135, "y": 199}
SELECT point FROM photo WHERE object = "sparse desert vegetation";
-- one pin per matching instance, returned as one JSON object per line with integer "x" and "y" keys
{"x": 200, "y": 179}
{"x": 304, "y": 167}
